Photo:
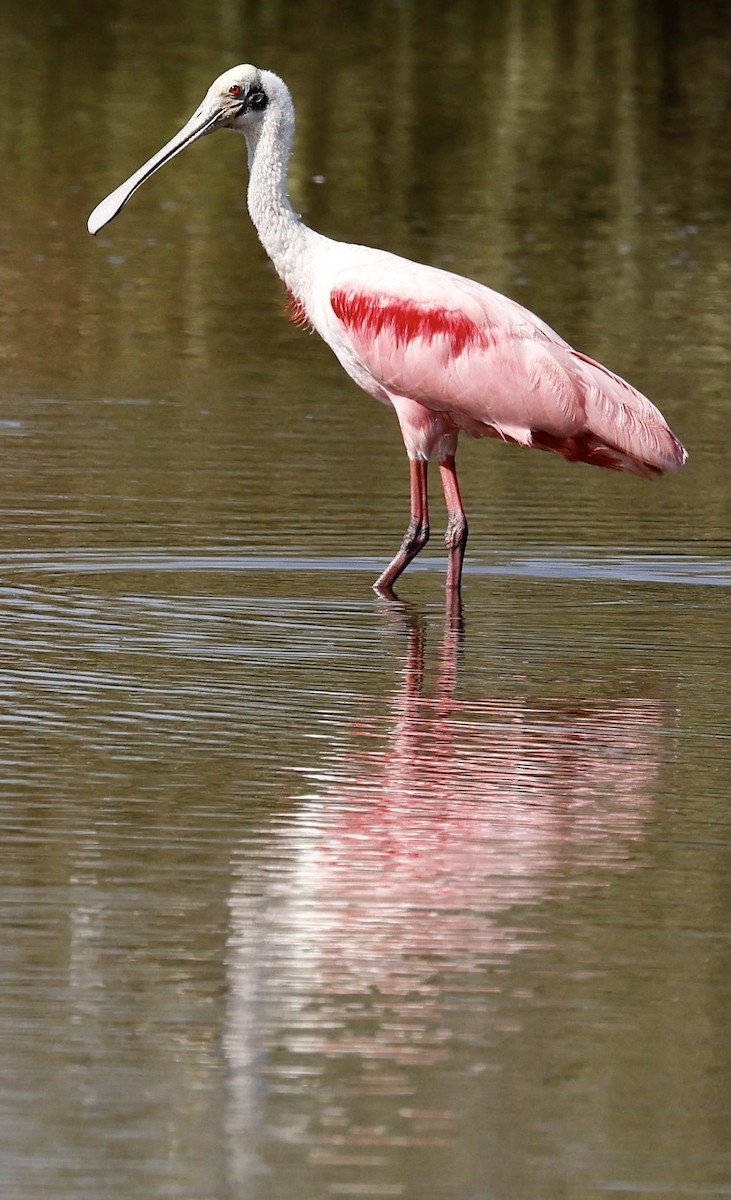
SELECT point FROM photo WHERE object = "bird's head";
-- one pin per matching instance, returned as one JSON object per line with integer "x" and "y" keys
{"x": 240, "y": 96}
{"x": 236, "y": 100}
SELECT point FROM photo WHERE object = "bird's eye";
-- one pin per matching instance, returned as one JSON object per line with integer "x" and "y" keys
{"x": 235, "y": 89}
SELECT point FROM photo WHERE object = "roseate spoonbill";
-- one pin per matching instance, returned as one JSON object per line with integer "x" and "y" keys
{"x": 447, "y": 353}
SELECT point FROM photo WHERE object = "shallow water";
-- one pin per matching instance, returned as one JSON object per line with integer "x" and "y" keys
{"x": 307, "y": 894}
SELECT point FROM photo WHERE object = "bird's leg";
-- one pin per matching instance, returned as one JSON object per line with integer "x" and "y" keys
{"x": 456, "y": 535}
{"x": 417, "y": 534}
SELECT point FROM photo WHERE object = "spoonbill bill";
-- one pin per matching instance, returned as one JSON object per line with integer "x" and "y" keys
{"x": 448, "y": 354}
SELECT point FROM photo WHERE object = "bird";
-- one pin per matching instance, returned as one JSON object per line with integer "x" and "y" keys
{"x": 448, "y": 354}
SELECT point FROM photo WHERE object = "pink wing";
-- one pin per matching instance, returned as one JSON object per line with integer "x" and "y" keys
{"x": 495, "y": 369}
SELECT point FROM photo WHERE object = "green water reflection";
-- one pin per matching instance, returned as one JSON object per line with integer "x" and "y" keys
{"x": 303, "y": 896}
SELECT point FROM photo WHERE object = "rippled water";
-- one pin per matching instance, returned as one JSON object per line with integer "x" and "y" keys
{"x": 302, "y": 893}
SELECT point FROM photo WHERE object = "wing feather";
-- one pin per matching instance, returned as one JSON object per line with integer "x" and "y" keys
{"x": 459, "y": 348}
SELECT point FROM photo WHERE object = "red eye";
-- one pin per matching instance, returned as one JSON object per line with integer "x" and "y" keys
{"x": 234, "y": 90}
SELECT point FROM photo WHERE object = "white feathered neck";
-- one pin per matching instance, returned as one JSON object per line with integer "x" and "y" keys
{"x": 284, "y": 236}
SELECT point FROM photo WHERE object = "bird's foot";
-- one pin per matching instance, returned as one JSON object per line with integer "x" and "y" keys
{"x": 384, "y": 589}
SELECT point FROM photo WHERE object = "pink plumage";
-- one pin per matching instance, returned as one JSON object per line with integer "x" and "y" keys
{"x": 496, "y": 370}
{"x": 404, "y": 321}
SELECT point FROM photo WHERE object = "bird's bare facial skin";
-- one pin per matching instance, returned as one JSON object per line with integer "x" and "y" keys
{"x": 241, "y": 98}
{"x": 239, "y": 91}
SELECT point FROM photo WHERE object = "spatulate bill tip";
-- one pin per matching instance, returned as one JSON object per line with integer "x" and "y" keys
{"x": 100, "y": 217}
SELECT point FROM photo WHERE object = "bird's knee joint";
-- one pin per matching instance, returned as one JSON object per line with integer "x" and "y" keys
{"x": 416, "y": 536}
{"x": 456, "y": 532}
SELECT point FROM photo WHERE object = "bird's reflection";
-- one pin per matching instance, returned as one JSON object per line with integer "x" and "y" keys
{"x": 515, "y": 784}
{"x": 431, "y": 842}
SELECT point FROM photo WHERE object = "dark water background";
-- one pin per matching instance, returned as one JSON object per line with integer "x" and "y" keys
{"x": 303, "y": 894}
